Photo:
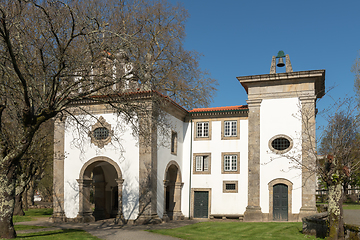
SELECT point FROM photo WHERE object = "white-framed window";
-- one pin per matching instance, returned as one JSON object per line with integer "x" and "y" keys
{"x": 202, "y": 163}
{"x": 202, "y": 129}
{"x": 230, "y": 163}
{"x": 230, "y": 128}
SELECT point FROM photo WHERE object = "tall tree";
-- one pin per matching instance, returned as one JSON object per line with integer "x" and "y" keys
{"x": 339, "y": 148}
{"x": 56, "y": 53}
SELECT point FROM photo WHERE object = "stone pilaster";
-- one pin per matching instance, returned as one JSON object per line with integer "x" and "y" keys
{"x": 85, "y": 213}
{"x": 253, "y": 210}
{"x": 120, "y": 215}
{"x": 165, "y": 215}
{"x": 148, "y": 167}
{"x": 308, "y": 156}
{"x": 177, "y": 214}
{"x": 58, "y": 174}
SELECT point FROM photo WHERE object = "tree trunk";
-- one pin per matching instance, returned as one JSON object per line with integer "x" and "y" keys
{"x": 30, "y": 194}
{"x": 336, "y": 221}
{"x": 7, "y": 193}
{"x": 18, "y": 210}
{"x": 25, "y": 201}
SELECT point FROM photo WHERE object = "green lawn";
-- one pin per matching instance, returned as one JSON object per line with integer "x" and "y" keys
{"x": 33, "y": 214}
{"x": 238, "y": 230}
{"x": 19, "y": 227}
{"x": 351, "y": 206}
{"x": 58, "y": 235}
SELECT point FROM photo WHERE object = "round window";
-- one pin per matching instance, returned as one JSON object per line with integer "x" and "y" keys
{"x": 280, "y": 143}
{"x": 101, "y": 133}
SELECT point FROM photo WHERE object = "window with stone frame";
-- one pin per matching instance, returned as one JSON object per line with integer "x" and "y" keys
{"x": 230, "y": 128}
{"x": 202, "y": 129}
{"x": 101, "y": 133}
{"x": 202, "y": 163}
{"x": 230, "y": 186}
{"x": 173, "y": 142}
{"x": 230, "y": 163}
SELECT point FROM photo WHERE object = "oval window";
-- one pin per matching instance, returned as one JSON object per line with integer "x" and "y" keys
{"x": 101, "y": 133}
{"x": 280, "y": 143}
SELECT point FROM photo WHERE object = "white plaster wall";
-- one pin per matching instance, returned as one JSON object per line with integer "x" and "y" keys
{"x": 124, "y": 151}
{"x": 164, "y": 156}
{"x": 185, "y": 173}
{"x": 280, "y": 116}
{"x": 223, "y": 203}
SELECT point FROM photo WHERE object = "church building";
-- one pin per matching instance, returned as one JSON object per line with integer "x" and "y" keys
{"x": 245, "y": 161}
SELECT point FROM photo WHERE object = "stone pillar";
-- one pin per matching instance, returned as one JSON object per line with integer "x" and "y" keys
{"x": 177, "y": 214}
{"x": 58, "y": 174}
{"x": 253, "y": 210}
{"x": 85, "y": 212}
{"x": 120, "y": 215}
{"x": 165, "y": 215}
{"x": 308, "y": 206}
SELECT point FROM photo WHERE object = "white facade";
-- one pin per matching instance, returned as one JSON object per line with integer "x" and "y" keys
{"x": 122, "y": 161}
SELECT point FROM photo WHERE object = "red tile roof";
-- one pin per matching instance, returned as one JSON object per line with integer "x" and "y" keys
{"x": 219, "y": 109}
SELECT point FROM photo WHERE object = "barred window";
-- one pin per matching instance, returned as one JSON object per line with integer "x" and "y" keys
{"x": 280, "y": 144}
{"x": 230, "y": 186}
{"x": 101, "y": 133}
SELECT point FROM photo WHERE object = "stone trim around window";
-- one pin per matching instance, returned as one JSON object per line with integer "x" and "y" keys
{"x": 174, "y": 143}
{"x": 280, "y": 151}
{"x": 101, "y": 123}
{"x": 196, "y": 138}
{"x": 237, "y": 162}
{"x": 208, "y": 155}
{"x": 230, "y": 190}
{"x": 223, "y": 137}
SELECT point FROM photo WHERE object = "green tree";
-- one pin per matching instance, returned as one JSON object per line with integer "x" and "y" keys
{"x": 56, "y": 53}
{"x": 339, "y": 164}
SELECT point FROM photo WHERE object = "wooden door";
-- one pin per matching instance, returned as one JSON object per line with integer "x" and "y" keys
{"x": 201, "y": 204}
{"x": 280, "y": 202}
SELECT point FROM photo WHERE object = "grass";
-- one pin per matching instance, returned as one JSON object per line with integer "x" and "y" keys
{"x": 58, "y": 235}
{"x": 33, "y": 214}
{"x": 238, "y": 230}
{"x": 20, "y": 227}
{"x": 351, "y": 206}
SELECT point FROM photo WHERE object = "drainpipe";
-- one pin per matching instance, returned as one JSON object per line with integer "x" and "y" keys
{"x": 191, "y": 136}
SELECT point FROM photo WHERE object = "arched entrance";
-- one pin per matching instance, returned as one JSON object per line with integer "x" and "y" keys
{"x": 100, "y": 187}
{"x": 172, "y": 192}
{"x": 280, "y": 200}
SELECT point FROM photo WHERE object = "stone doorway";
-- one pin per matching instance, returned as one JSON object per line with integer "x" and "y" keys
{"x": 280, "y": 209}
{"x": 172, "y": 192}
{"x": 100, "y": 190}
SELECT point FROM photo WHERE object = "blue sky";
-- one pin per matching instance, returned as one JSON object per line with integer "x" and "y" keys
{"x": 238, "y": 38}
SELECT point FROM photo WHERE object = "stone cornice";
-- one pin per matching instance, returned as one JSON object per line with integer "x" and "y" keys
{"x": 294, "y": 84}
{"x": 219, "y": 114}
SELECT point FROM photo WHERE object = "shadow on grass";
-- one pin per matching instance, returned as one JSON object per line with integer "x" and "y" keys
{"x": 50, "y": 233}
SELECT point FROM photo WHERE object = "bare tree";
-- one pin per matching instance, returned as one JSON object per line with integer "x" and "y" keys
{"x": 54, "y": 54}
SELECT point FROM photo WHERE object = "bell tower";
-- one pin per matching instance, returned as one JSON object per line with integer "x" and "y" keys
{"x": 281, "y": 63}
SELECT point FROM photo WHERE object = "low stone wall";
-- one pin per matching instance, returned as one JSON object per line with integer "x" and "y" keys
{"x": 352, "y": 232}
{"x": 316, "y": 225}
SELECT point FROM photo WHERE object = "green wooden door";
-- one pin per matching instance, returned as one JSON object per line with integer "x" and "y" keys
{"x": 280, "y": 202}
{"x": 201, "y": 204}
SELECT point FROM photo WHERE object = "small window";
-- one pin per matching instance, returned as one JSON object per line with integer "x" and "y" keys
{"x": 202, "y": 163}
{"x": 202, "y": 129}
{"x": 230, "y": 128}
{"x": 101, "y": 133}
{"x": 230, "y": 186}
{"x": 280, "y": 144}
{"x": 173, "y": 142}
